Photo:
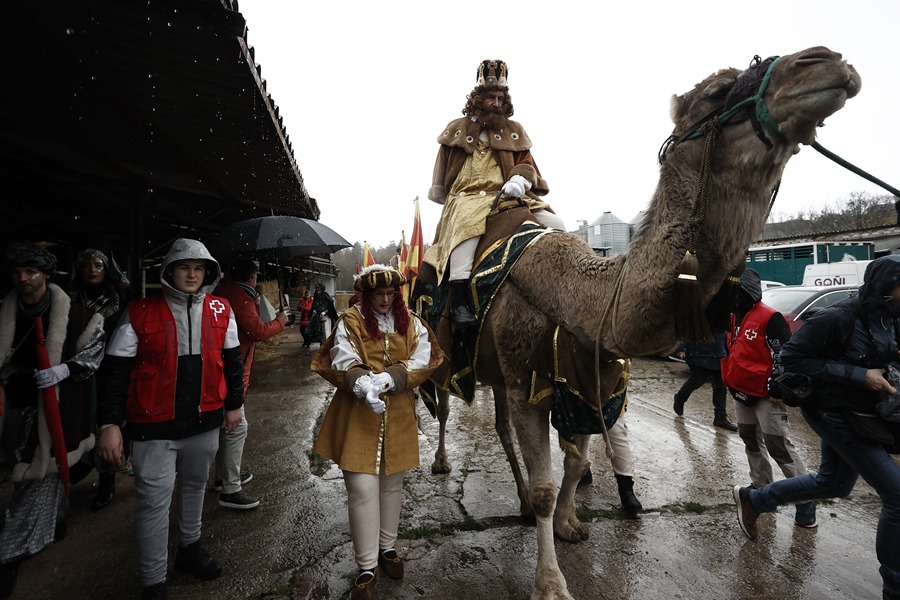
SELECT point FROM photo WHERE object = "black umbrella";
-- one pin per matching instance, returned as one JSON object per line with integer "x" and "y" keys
{"x": 282, "y": 237}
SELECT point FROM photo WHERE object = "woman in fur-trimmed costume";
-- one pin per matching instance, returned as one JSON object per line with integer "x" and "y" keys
{"x": 378, "y": 353}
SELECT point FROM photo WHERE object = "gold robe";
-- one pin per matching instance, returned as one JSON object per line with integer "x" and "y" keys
{"x": 351, "y": 434}
{"x": 468, "y": 173}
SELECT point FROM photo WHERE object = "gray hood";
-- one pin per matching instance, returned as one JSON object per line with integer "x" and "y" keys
{"x": 187, "y": 249}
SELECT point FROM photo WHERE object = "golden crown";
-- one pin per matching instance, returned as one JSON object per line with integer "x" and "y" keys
{"x": 492, "y": 73}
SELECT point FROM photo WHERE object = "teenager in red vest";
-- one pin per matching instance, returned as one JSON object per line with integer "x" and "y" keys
{"x": 754, "y": 342}
{"x": 172, "y": 377}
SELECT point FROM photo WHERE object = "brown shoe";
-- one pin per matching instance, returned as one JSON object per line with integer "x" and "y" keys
{"x": 364, "y": 586}
{"x": 746, "y": 512}
{"x": 391, "y": 563}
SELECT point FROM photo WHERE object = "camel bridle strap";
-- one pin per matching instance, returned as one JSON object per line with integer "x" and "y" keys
{"x": 701, "y": 206}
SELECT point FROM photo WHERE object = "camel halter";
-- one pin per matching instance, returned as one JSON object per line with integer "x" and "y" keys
{"x": 764, "y": 119}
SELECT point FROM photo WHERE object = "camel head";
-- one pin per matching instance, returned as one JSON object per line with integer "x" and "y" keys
{"x": 734, "y": 134}
{"x": 783, "y": 99}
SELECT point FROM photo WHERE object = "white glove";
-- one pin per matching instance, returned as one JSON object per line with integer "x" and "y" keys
{"x": 362, "y": 386}
{"x": 49, "y": 377}
{"x": 374, "y": 402}
{"x": 516, "y": 186}
{"x": 384, "y": 381}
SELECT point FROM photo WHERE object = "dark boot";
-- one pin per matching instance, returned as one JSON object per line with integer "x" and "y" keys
{"x": 630, "y": 503}
{"x": 723, "y": 422}
{"x": 678, "y": 406}
{"x": 721, "y": 415}
{"x": 106, "y": 489}
{"x": 460, "y": 314}
{"x": 157, "y": 591}
{"x": 196, "y": 561}
{"x": 9, "y": 573}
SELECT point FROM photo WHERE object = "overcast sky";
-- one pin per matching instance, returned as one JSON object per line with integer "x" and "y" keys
{"x": 366, "y": 87}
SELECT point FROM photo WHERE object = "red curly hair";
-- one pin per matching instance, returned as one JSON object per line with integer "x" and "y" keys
{"x": 398, "y": 308}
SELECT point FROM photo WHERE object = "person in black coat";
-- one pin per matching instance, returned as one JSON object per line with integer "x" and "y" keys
{"x": 703, "y": 360}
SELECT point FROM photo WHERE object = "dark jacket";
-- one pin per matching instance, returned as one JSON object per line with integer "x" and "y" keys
{"x": 837, "y": 345}
{"x": 706, "y": 356}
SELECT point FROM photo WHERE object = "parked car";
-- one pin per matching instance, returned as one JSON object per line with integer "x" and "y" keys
{"x": 798, "y": 302}
{"x": 766, "y": 284}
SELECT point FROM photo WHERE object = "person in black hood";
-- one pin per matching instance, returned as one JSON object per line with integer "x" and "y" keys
{"x": 844, "y": 351}
{"x": 755, "y": 340}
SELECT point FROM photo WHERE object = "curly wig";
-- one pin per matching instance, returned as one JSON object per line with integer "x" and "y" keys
{"x": 475, "y": 100}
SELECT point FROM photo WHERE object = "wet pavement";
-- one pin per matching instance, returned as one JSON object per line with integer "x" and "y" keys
{"x": 461, "y": 533}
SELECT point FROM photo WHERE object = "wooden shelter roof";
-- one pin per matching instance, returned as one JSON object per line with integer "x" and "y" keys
{"x": 136, "y": 123}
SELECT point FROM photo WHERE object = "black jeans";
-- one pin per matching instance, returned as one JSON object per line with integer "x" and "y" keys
{"x": 700, "y": 376}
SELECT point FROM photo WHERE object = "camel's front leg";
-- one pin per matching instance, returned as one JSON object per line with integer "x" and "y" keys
{"x": 502, "y": 425}
{"x": 441, "y": 464}
{"x": 566, "y": 525}
{"x": 532, "y": 430}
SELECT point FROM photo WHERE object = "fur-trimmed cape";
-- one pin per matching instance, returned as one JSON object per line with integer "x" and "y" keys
{"x": 72, "y": 330}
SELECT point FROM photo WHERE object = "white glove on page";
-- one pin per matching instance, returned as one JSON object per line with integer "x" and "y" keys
{"x": 49, "y": 377}
{"x": 374, "y": 402}
{"x": 362, "y": 386}
{"x": 516, "y": 186}
{"x": 384, "y": 381}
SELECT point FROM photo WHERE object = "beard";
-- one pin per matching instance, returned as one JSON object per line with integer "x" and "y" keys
{"x": 492, "y": 120}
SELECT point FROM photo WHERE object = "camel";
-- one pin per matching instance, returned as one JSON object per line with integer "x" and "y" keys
{"x": 625, "y": 306}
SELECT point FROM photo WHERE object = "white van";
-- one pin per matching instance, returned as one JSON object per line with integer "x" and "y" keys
{"x": 845, "y": 272}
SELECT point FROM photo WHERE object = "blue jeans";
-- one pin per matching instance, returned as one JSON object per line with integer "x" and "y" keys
{"x": 845, "y": 457}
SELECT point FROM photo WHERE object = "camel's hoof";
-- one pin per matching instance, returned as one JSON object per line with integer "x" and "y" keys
{"x": 441, "y": 466}
{"x": 572, "y": 532}
{"x": 568, "y": 534}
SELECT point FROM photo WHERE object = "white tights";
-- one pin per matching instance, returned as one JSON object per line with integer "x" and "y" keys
{"x": 373, "y": 504}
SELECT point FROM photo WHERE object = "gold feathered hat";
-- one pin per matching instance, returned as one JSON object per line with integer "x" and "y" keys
{"x": 378, "y": 276}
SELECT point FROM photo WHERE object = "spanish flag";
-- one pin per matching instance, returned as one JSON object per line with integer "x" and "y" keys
{"x": 416, "y": 251}
{"x": 401, "y": 264}
{"x": 368, "y": 259}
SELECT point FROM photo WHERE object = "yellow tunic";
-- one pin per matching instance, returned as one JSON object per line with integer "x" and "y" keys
{"x": 467, "y": 206}
{"x": 351, "y": 434}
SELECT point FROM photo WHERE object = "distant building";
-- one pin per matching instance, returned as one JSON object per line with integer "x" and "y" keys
{"x": 608, "y": 235}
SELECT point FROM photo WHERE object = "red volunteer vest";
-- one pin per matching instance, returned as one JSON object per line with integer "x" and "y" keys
{"x": 151, "y": 392}
{"x": 749, "y": 362}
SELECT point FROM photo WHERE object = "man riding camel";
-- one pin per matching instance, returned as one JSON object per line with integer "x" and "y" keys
{"x": 481, "y": 154}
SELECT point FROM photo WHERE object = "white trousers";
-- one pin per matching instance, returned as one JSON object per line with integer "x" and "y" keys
{"x": 622, "y": 462}
{"x": 373, "y": 504}
{"x": 462, "y": 257}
